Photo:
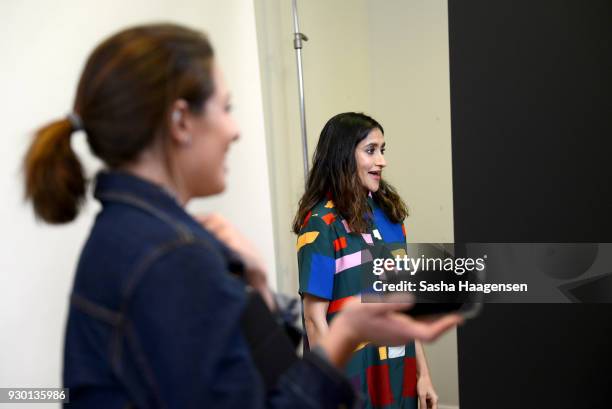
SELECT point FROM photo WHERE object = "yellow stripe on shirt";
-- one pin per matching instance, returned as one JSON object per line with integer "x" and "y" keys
{"x": 306, "y": 238}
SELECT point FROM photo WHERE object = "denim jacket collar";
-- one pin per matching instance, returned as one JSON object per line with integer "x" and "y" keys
{"x": 125, "y": 188}
{"x": 118, "y": 186}
{"x": 119, "y": 182}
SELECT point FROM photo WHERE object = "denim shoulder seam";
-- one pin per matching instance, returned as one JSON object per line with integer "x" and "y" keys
{"x": 181, "y": 229}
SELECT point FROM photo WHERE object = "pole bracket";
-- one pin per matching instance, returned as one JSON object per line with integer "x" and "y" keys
{"x": 297, "y": 40}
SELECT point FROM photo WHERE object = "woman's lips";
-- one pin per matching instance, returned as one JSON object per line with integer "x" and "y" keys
{"x": 375, "y": 175}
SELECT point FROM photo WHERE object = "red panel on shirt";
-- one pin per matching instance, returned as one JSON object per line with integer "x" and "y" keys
{"x": 340, "y": 243}
{"x": 337, "y": 305}
{"x": 329, "y": 218}
{"x": 379, "y": 386}
{"x": 307, "y": 218}
{"x": 409, "y": 388}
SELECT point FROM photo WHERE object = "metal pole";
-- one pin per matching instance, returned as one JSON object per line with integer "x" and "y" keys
{"x": 297, "y": 45}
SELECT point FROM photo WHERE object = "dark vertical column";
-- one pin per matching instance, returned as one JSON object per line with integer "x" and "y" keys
{"x": 531, "y": 92}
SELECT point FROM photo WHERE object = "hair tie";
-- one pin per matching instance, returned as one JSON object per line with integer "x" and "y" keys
{"x": 75, "y": 121}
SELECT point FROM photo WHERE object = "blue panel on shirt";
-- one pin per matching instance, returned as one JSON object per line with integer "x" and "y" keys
{"x": 322, "y": 271}
{"x": 390, "y": 232}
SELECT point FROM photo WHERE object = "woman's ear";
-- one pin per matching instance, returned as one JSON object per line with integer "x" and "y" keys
{"x": 179, "y": 124}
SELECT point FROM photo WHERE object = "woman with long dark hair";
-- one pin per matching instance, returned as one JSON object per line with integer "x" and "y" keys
{"x": 156, "y": 320}
{"x": 347, "y": 210}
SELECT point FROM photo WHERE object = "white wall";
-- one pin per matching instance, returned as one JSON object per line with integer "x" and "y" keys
{"x": 410, "y": 94}
{"x": 387, "y": 58}
{"x": 44, "y": 46}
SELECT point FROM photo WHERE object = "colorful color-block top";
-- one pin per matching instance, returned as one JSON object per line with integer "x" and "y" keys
{"x": 331, "y": 261}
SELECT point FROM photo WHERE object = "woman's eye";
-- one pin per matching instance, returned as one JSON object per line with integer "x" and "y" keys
{"x": 228, "y": 108}
{"x": 370, "y": 151}
{"x": 383, "y": 151}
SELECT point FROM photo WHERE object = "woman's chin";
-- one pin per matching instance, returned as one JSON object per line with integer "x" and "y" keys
{"x": 220, "y": 189}
{"x": 211, "y": 189}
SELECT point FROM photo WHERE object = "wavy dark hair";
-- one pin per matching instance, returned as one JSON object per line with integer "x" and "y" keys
{"x": 334, "y": 172}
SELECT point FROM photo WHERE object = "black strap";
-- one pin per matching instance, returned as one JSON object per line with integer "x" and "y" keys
{"x": 271, "y": 348}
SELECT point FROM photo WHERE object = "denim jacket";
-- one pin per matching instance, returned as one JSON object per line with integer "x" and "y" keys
{"x": 154, "y": 319}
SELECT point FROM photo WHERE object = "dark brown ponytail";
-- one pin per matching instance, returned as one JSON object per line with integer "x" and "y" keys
{"x": 54, "y": 180}
{"x": 123, "y": 100}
